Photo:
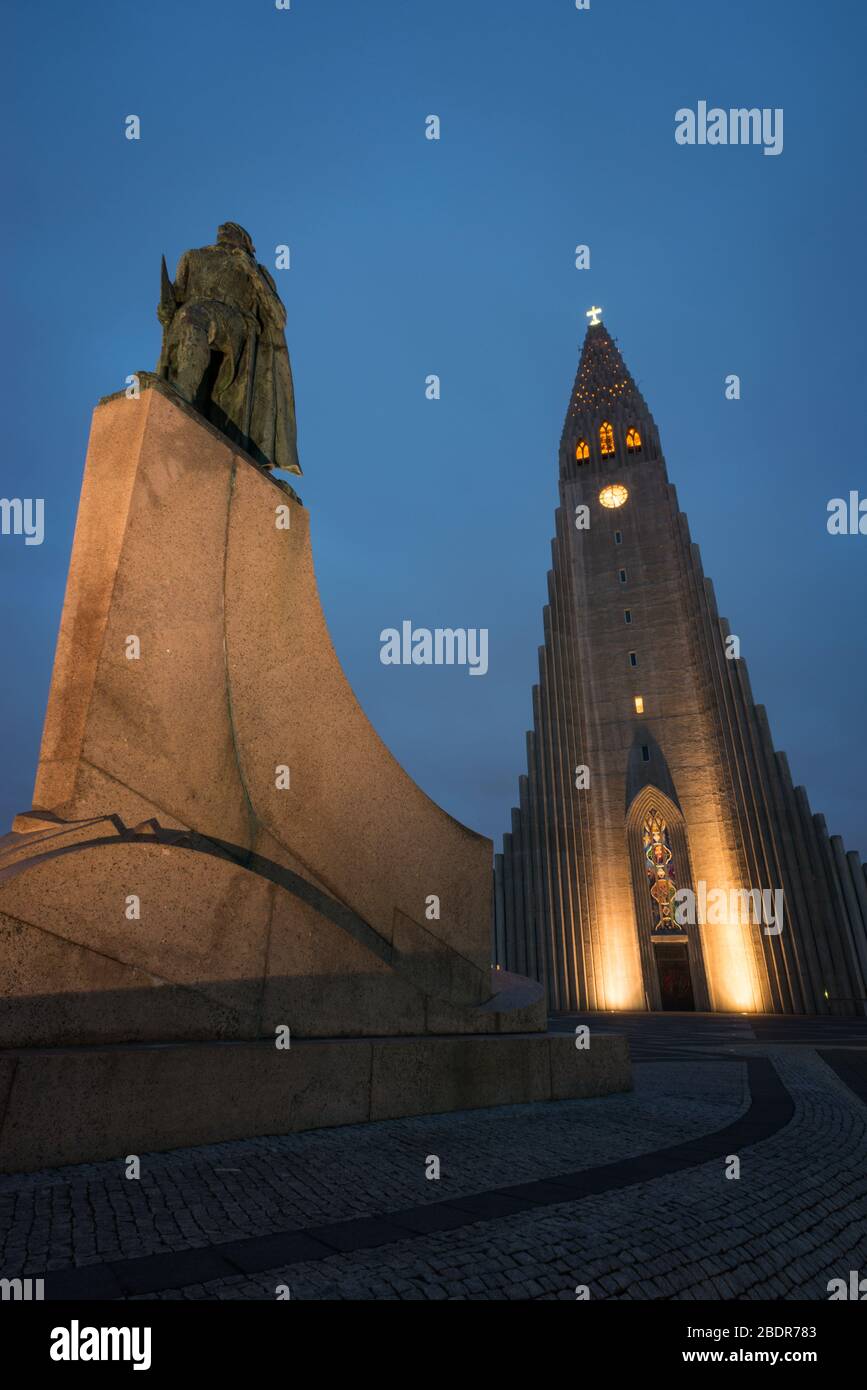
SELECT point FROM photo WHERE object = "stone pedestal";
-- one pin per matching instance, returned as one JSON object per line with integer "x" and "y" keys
{"x": 221, "y": 848}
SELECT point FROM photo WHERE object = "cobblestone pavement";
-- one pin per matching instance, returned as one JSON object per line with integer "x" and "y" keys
{"x": 795, "y": 1218}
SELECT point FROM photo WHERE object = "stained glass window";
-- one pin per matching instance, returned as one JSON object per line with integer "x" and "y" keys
{"x": 633, "y": 442}
{"x": 582, "y": 450}
{"x": 606, "y": 438}
{"x": 658, "y": 859}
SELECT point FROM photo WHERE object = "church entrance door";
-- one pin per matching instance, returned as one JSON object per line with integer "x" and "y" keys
{"x": 675, "y": 981}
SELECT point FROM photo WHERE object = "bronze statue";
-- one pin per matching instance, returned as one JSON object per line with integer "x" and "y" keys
{"x": 224, "y": 348}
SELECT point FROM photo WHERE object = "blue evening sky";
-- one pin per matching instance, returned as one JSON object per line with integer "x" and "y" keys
{"x": 411, "y": 257}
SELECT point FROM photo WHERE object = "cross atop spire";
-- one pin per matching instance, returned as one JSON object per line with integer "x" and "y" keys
{"x": 593, "y": 314}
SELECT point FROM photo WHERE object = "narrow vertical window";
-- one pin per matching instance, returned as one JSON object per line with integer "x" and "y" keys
{"x": 645, "y": 753}
{"x": 658, "y": 863}
{"x": 639, "y": 704}
{"x": 633, "y": 658}
{"x": 618, "y": 537}
{"x": 627, "y": 615}
{"x": 623, "y": 576}
{"x": 606, "y": 439}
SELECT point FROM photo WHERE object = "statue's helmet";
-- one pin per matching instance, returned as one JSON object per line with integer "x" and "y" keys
{"x": 232, "y": 234}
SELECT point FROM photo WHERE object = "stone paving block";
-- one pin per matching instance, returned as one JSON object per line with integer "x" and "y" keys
{"x": 790, "y": 1224}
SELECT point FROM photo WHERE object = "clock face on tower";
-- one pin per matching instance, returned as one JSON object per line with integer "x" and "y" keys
{"x": 614, "y": 495}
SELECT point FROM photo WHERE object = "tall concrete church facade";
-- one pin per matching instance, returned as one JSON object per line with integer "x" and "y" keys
{"x": 660, "y": 856}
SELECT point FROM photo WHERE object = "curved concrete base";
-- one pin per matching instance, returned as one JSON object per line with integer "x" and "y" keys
{"x": 226, "y": 945}
{"x": 82, "y": 1104}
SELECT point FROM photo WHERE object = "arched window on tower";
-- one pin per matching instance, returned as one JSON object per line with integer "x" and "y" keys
{"x": 660, "y": 869}
{"x": 633, "y": 442}
{"x": 673, "y": 974}
{"x": 582, "y": 451}
{"x": 606, "y": 439}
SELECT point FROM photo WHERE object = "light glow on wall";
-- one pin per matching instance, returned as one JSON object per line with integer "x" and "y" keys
{"x": 622, "y": 984}
{"x": 729, "y": 962}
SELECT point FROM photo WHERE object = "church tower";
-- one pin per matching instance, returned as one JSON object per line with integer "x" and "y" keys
{"x": 659, "y": 857}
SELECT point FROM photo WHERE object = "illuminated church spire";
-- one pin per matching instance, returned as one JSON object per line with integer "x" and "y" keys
{"x": 604, "y": 406}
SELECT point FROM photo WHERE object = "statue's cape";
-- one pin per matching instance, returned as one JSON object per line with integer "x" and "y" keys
{"x": 273, "y": 426}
